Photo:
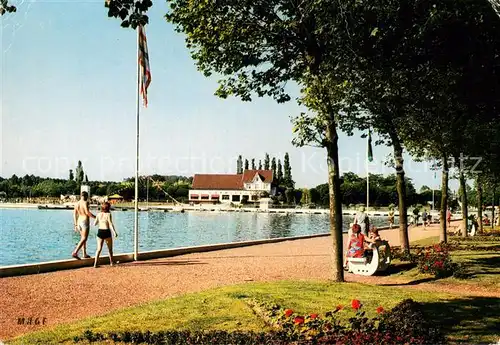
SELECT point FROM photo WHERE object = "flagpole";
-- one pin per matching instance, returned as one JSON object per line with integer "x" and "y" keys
{"x": 367, "y": 177}
{"x": 434, "y": 184}
{"x": 136, "y": 206}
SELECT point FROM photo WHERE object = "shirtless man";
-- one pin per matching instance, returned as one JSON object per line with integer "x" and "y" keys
{"x": 81, "y": 218}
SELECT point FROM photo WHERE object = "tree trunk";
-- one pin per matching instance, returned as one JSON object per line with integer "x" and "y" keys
{"x": 335, "y": 203}
{"x": 465, "y": 212}
{"x": 493, "y": 205}
{"x": 401, "y": 188}
{"x": 444, "y": 202}
{"x": 479, "y": 204}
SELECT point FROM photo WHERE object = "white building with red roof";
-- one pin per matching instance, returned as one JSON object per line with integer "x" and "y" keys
{"x": 226, "y": 188}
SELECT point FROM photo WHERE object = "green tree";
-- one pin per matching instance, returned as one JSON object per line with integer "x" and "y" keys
{"x": 130, "y": 12}
{"x": 246, "y": 164}
{"x": 287, "y": 176}
{"x": 80, "y": 174}
{"x": 266, "y": 162}
{"x": 315, "y": 196}
{"x": 6, "y": 8}
{"x": 306, "y": 196}
{"x": 253, "y": 164}
{"x": 280, "y": 172}
{"x": 290, "y": 196}
{"x": 273, "y": 168}
{"x": 239, "y": 165}
{"x": 86, "y": 179}
{"x": 260, "y": 164}
{"x": 257, "y": 47}
{"x": 71, "y": 176}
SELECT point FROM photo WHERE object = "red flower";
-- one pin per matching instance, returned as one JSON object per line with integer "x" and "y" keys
{"x": 356, "y": 304}
{"x": 313, "y": 316}
{"x": 380, "y": 310}
{"x": 288, "y": 312}
{"x": 339, "y": 307}
{"x": 298, "y": 320}
{"x": 438, "y": 264}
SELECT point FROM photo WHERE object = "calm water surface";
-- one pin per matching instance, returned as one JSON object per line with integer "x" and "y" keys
{"x": 29, "y": 236}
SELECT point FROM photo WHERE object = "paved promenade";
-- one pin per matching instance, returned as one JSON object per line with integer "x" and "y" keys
{"x": 74, "y": 294}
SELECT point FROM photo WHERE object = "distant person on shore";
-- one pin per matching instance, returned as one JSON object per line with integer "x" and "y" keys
{"x": 448, "y": 217}
{"x": 390, "y": 218}
{"x": 356, "y": 244}
{"x": 81, "y": 219}
{"x": 424, "y": 218}
{"x": 362, "y": 220}
{"x": 104, "y": 221}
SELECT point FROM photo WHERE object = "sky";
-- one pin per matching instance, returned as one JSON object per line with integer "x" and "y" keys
{"x": 68, "y": 93}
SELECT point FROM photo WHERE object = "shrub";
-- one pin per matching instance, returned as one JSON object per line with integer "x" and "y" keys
{"x": 435, "y": 260}
{"x": 409, "y": 319}
{"x": 190, "y": 338}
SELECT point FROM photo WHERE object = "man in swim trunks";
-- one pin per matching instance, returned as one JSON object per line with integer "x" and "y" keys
{"x": 81, "y": 218}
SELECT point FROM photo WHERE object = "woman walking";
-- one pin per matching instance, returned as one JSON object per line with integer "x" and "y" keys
{"x": 390, "y": 218}
{"x": 105, "y": 226}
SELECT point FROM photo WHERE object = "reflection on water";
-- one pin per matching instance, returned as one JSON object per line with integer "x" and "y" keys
{"x": 29, "y": 235}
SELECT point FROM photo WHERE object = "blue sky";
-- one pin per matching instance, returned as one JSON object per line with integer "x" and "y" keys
{"x": 69, "y": 93}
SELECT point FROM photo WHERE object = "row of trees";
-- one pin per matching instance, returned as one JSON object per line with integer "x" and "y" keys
{"x": 393, "y": 66}
{"x": 282, "y": 173}
{"x": 155, "y": 187}
{"x": 382, "y": 192}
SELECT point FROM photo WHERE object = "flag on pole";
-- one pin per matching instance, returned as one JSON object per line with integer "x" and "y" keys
{"x": 145, "y": 78}
{"x": 370, "y": 151}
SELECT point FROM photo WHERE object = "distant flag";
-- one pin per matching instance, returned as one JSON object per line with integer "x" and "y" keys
{"x": 370, "y": 151}
{"x": 145, "y": 77}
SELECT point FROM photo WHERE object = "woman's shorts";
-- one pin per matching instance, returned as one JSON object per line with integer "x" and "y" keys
{"x": 104, "y": 234}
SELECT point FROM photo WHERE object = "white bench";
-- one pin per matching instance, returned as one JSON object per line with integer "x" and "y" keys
{"x": 379, "y": 262}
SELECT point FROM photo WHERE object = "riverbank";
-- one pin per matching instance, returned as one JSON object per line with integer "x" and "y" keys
{"x": 74, "y": 294}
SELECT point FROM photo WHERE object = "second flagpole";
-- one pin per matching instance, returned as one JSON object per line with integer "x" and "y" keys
{"x": 136, "y": 202}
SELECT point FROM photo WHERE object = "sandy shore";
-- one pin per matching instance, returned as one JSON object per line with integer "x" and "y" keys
{"x": 74, "y": 294}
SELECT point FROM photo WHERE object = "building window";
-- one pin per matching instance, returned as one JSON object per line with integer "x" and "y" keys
{"x": 225, "y": 197}
{"x": 255, "y": 197}
{"x": 194, "y": 197}
{"x": 236, "y": 198}
{"x": 204, "y": 197}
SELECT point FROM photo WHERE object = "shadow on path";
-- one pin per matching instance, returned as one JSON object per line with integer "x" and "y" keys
{"x": 164, "y": 263}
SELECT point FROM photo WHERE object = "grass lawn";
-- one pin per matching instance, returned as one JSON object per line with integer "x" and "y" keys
{"x": 470, "y": 320}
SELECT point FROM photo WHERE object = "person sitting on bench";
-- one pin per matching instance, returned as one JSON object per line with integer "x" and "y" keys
{"x": 373, "y": 235}
{"x": 356, "y": 244}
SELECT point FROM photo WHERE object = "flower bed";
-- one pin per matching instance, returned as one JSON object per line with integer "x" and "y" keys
{"x": 404, "y": 324}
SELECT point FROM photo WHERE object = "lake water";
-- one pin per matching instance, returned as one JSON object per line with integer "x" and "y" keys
{"x": 32, "y": 235}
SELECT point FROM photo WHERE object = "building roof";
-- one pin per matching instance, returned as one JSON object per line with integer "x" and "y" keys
{"x": 229, "y": 181}
{"x": 265, "y": 175}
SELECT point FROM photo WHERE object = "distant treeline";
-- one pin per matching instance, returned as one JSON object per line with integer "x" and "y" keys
{"x": 382, "y": 192}
{"x": 156, "y": 188}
